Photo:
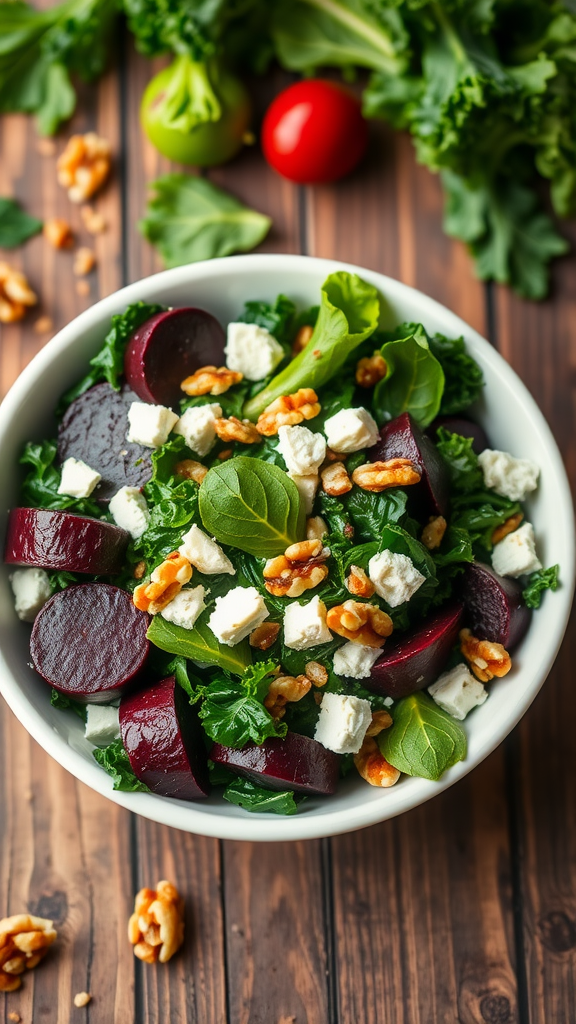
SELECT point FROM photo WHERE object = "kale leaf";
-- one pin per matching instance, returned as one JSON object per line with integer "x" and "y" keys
{"x": 40, "y": 486}
{"x": 250, "y": 797}
{"x": 538, "y": 582}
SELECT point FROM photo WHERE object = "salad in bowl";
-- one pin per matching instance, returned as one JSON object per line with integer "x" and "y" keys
{"x": 263, "y": 555}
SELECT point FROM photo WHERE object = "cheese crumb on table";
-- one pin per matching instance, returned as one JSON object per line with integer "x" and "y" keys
{"x": 355, "y": 660}
{"x": 78, "y": 480}
{"x": 236, "y": 614}
{"x": 303, "y": 451}
{"x": 343, "y": 722}
{"x": 350, "y": 430}
{"x": 457, "y": 692}
{"x": 305, "y": 625}
{"x": 252, "y": 350}
{"x": 205, "y": 553}
{"x": 31, "y": 588}
{"x": 82, "y": 999}
{"x": 510, "y": 477}
{"x": 150, "y": 425}
{"x": 196, "y": 426}
{"x": 129, "y": 510}
{"x": 184, "y": 609}
{"x": 515, "y": 555}
{"x": 102, "y": 724}
{"x": 395, "y": 577}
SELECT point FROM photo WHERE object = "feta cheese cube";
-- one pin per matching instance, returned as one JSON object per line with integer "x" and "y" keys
{"x": 31, "y": 589}
{"x": 457, "y": 692}
{"x": 102, "y": 725}
{"x": 343, "y": 722}
{"x": 129, "y": 510}
{"x": 350, "y": 430}
{"x": 252, "y": 350}
{"x": 395, "y": 577}
{"x": 204, "y": 553}
{"x": 237, "y": 614}
{"x": 510, "y": 477}
{"x": 150, "y": 425}
{"x": 516, "y": 554}
{"x": 197, "y": 427}
{"x": 302, "y": 450}
{"x": 355, "y": 660}
{"x": 185, "y": 608}
{"x": 316, "y": 528}
{"x": 306, "y": 487}
{"x": 305, "y": 625}
{"x": 78, "y": 480}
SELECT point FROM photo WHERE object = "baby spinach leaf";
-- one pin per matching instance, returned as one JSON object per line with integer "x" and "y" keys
{"x": 16, "y": 226}
{"x": 423, "y": 739}
{"x": 463, "y": 378}
{"x": 369, "y": 512}
{"x": 277, "y": 317}
{"x": 232, "y": 711}
{"x": 40, "y": 486}
{"x": 251, "y": 505}
{"x": 64, "y": 703}
{"x": 456, "y": 547}
{"x": 199, "y": 645}
{"x": 349, "y": 313}
{"x": 414, "y": 381}
{"x": 538, "y": 582}
{"x": 251, "y": 797}
{"x": 114, "y": 760}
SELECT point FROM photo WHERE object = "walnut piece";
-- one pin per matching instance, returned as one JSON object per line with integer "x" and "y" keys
{"x": 166, "y": 581}
{"x": 373, "y": 766}
{"x": 362, "y": 623}
{"x": 84, "y": 165}
{"x": 288, "y": 410}
{"x": 300, "y": 568}
{"x": 379, "y": 476}
{"x": 156, "y": 928}
{"x": 58, "y": 233}
{"x": 93, "y": 221}
{"x": 433, "y": 532}
{"x": 358, "y": 583}
{"x": 380, "y": 720}
{"x": 24, "y": 940}
{"x": 316, "y": 673}
{"x": 44, "y": 325}
{"x": 335, "y": 479}
{"x": 82, "y": 999}
{"x": 15, "y": 294}
{"x": 191, "y": 470}
{"x": 233, "y": 429}
{"x": 370, "y": 370}
{"x": 486, "y": 659}
{"x": 302, "y": 338}
{"x": 139, "y": 570}
{"x": 84, "y": 261}
{"x": 284, "y": 690}
{"x": 211, "y": 380}
{"x": 509, "y": 526}
{"x": 264, "y": 635}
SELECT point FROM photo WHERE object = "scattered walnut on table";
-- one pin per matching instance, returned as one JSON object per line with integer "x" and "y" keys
{"x": 156, "y": 928}
{"x": 233, "y": 429}
{"x": 433, "y": 532}
{"x": 373, "y": 766}
{"x": 211, "y": 380}
{"x": 44, "y": 325}
{"x": 24, "y": 941}
{"x": 379, "y": 476}
{"x": 358, "y": 583}
{"x": 288, "y": 410}
{"x": 486, "y": 659}
{"x": 82, "y": 999}
{"x": 300, "y": 568}
{"x": 58, "y": 233}
{"x": 362, "y": 623}
{"x": 284, "y": 690}
{"x": 94, "y": 222}
{"x": 335, "y": 479}
{"x": 84, "y": 261}
{"x": 15, "y": 294}
{"x": 166, "y": 581}
{"x": 370, "y": 370}
{"x": 84, "y": 165}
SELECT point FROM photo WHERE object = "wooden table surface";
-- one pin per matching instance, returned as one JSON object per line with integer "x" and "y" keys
{"x": 463, "y": 910}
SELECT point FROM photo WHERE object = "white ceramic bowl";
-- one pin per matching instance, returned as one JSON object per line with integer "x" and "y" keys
{"x": 514, "y": 423}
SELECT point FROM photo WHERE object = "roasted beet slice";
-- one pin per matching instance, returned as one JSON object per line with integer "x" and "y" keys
{"x": 89, "y": 642}
{"x": 296, "y": 762}
{"x": 417, "y": 659}
{"x": 169, "y": 347}
{"x": 62, "y": 540}
{"x": 494, "y": 609}
{"x": 463, "y": 426}
{"x": 402, "y": 438}
{"x": 164, "y": 741}
{"x": 94, "y": 430}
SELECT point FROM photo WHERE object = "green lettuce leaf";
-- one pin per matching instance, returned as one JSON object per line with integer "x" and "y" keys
{"x": 277, "y": 317}
{"x": 114, "y": 760}
{"x": 64, "y": 703}
{"x": 423, "y": 739}
{"x": 250, "y": 797}
{"x": 414, "y": 381}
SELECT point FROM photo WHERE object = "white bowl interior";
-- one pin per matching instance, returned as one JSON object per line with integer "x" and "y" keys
{"x": 513, "y": 423}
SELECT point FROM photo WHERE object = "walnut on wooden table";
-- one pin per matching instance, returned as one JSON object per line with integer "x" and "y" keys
{"x": 24, "y": 941}
{"x": 156, "y": 928}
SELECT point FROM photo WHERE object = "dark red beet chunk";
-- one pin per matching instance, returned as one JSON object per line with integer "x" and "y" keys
{"x": 62, "y": 540}
{"x": 89, "y": 642}
{"x": 163, "y": 738}
{"x": 417, "y": 659}
{"x": 402, "y": 438}
{"x": 463, "y": 426}
{"x": 94, "y": 430}
{"x": 296, "y": 762}
{"x": 169, "y": 347}
{"x": 494, "y": 609}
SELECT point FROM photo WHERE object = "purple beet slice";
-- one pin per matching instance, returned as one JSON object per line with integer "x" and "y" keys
{"x": 418, "y": 658}
{"x": 89, "y": 642}
{"x": 463, "y": 426}
{"x": 296, "y": 762}
{"x": 402, "y": 438}
{"x": 169, "y": 347}
{"x": 62, "y": 540}
{"x": 494, "y": 609}
{"x": 94, "y": 430}
{"x": 164, "y": 741}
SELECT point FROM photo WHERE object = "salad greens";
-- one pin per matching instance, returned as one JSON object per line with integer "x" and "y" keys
{"x": 538, "y": 582}
{"x": 414, "y": 380}
{"x": 233, "y": 711}
{"x": 251, "y": 797}
{"x": 199, "y": 645}
{"x": 40, "y": 485}
{"x": 114, "y": 760}
{"x": 423, "y": 740}
{"x": 16, "y": 226}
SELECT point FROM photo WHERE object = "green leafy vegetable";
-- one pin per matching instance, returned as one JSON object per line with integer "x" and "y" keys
{"x": 190, "y": 219}
{"x": 114, "y": 760}
{"x": 64, "y": 703}
{"x": 463, "y": 378}
{"x": 538, "y": 582}
{"x": 233, "y": 712}
{"x": 15, "y": 224}
{"x": 370, "y": 512}
{"x": 278, "y": 318}
{"x": 40, "y": 486}
{"x": 414, "y": 380}
{"x": 251, "y": 797}
{"x": 251, "y": 505}
{"x": 199, "y": 645}
{"x": 423, "y": 739}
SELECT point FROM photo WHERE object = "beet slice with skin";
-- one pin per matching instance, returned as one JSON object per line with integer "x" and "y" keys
{"x": 94, "y": 429}
{"x": 89, "y": 642}
{"x": 296, "y": 762}
{"x": 163, "y": 738}
{"x": 418, "y": 658}
{"x": 402, "y": 438}
{"x": 463, "y": 426}
{"x": 494, "y": 608}
{"x": 169, "y": 347}
{"x": 51, "y": 539}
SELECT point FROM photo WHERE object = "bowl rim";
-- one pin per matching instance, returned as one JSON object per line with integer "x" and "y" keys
{"x": 298, "y": 827}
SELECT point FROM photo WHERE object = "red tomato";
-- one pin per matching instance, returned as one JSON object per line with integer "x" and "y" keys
{"x": 314, "y": 132}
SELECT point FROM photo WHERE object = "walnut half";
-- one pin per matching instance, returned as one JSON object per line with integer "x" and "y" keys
{"x": 361, "y": 623}
{"x": 156, "y": 928}
{"x": 166, "y": 581}
{"x": 24, "y": 940}
{"x": 300, "y": 568}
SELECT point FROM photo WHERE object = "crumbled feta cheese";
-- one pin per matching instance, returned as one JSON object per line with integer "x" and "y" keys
{"x": 302, "y": 450}
{"x": 316, "y": 528}
{"x": 355, "y": 660}
{"x": 102, "y": 724}
{"x": 343, "y": 722}
{"x": 185, "y": 608}
{"x": 31, "y": 589}
{"x": 457, "y": 692}
{"x": 78, "y": 480}
{"x": 388, "y": 702}
{"x": 305, "y": 625}
{"x": 252, "y": 350}
{"x": 197, "y": 427}
{"x": 395, "y": 577}
{"x": 204, "y": 553}
{"x": 350, "y": 430}
{"x": 306, "y": 487}
{"x": 237, "y": 614}
{"x": 510, "y": 477}
{"x": 516, "y": 554}
{"x": 129, "y": 510}
{"x": 150, "y": 425}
